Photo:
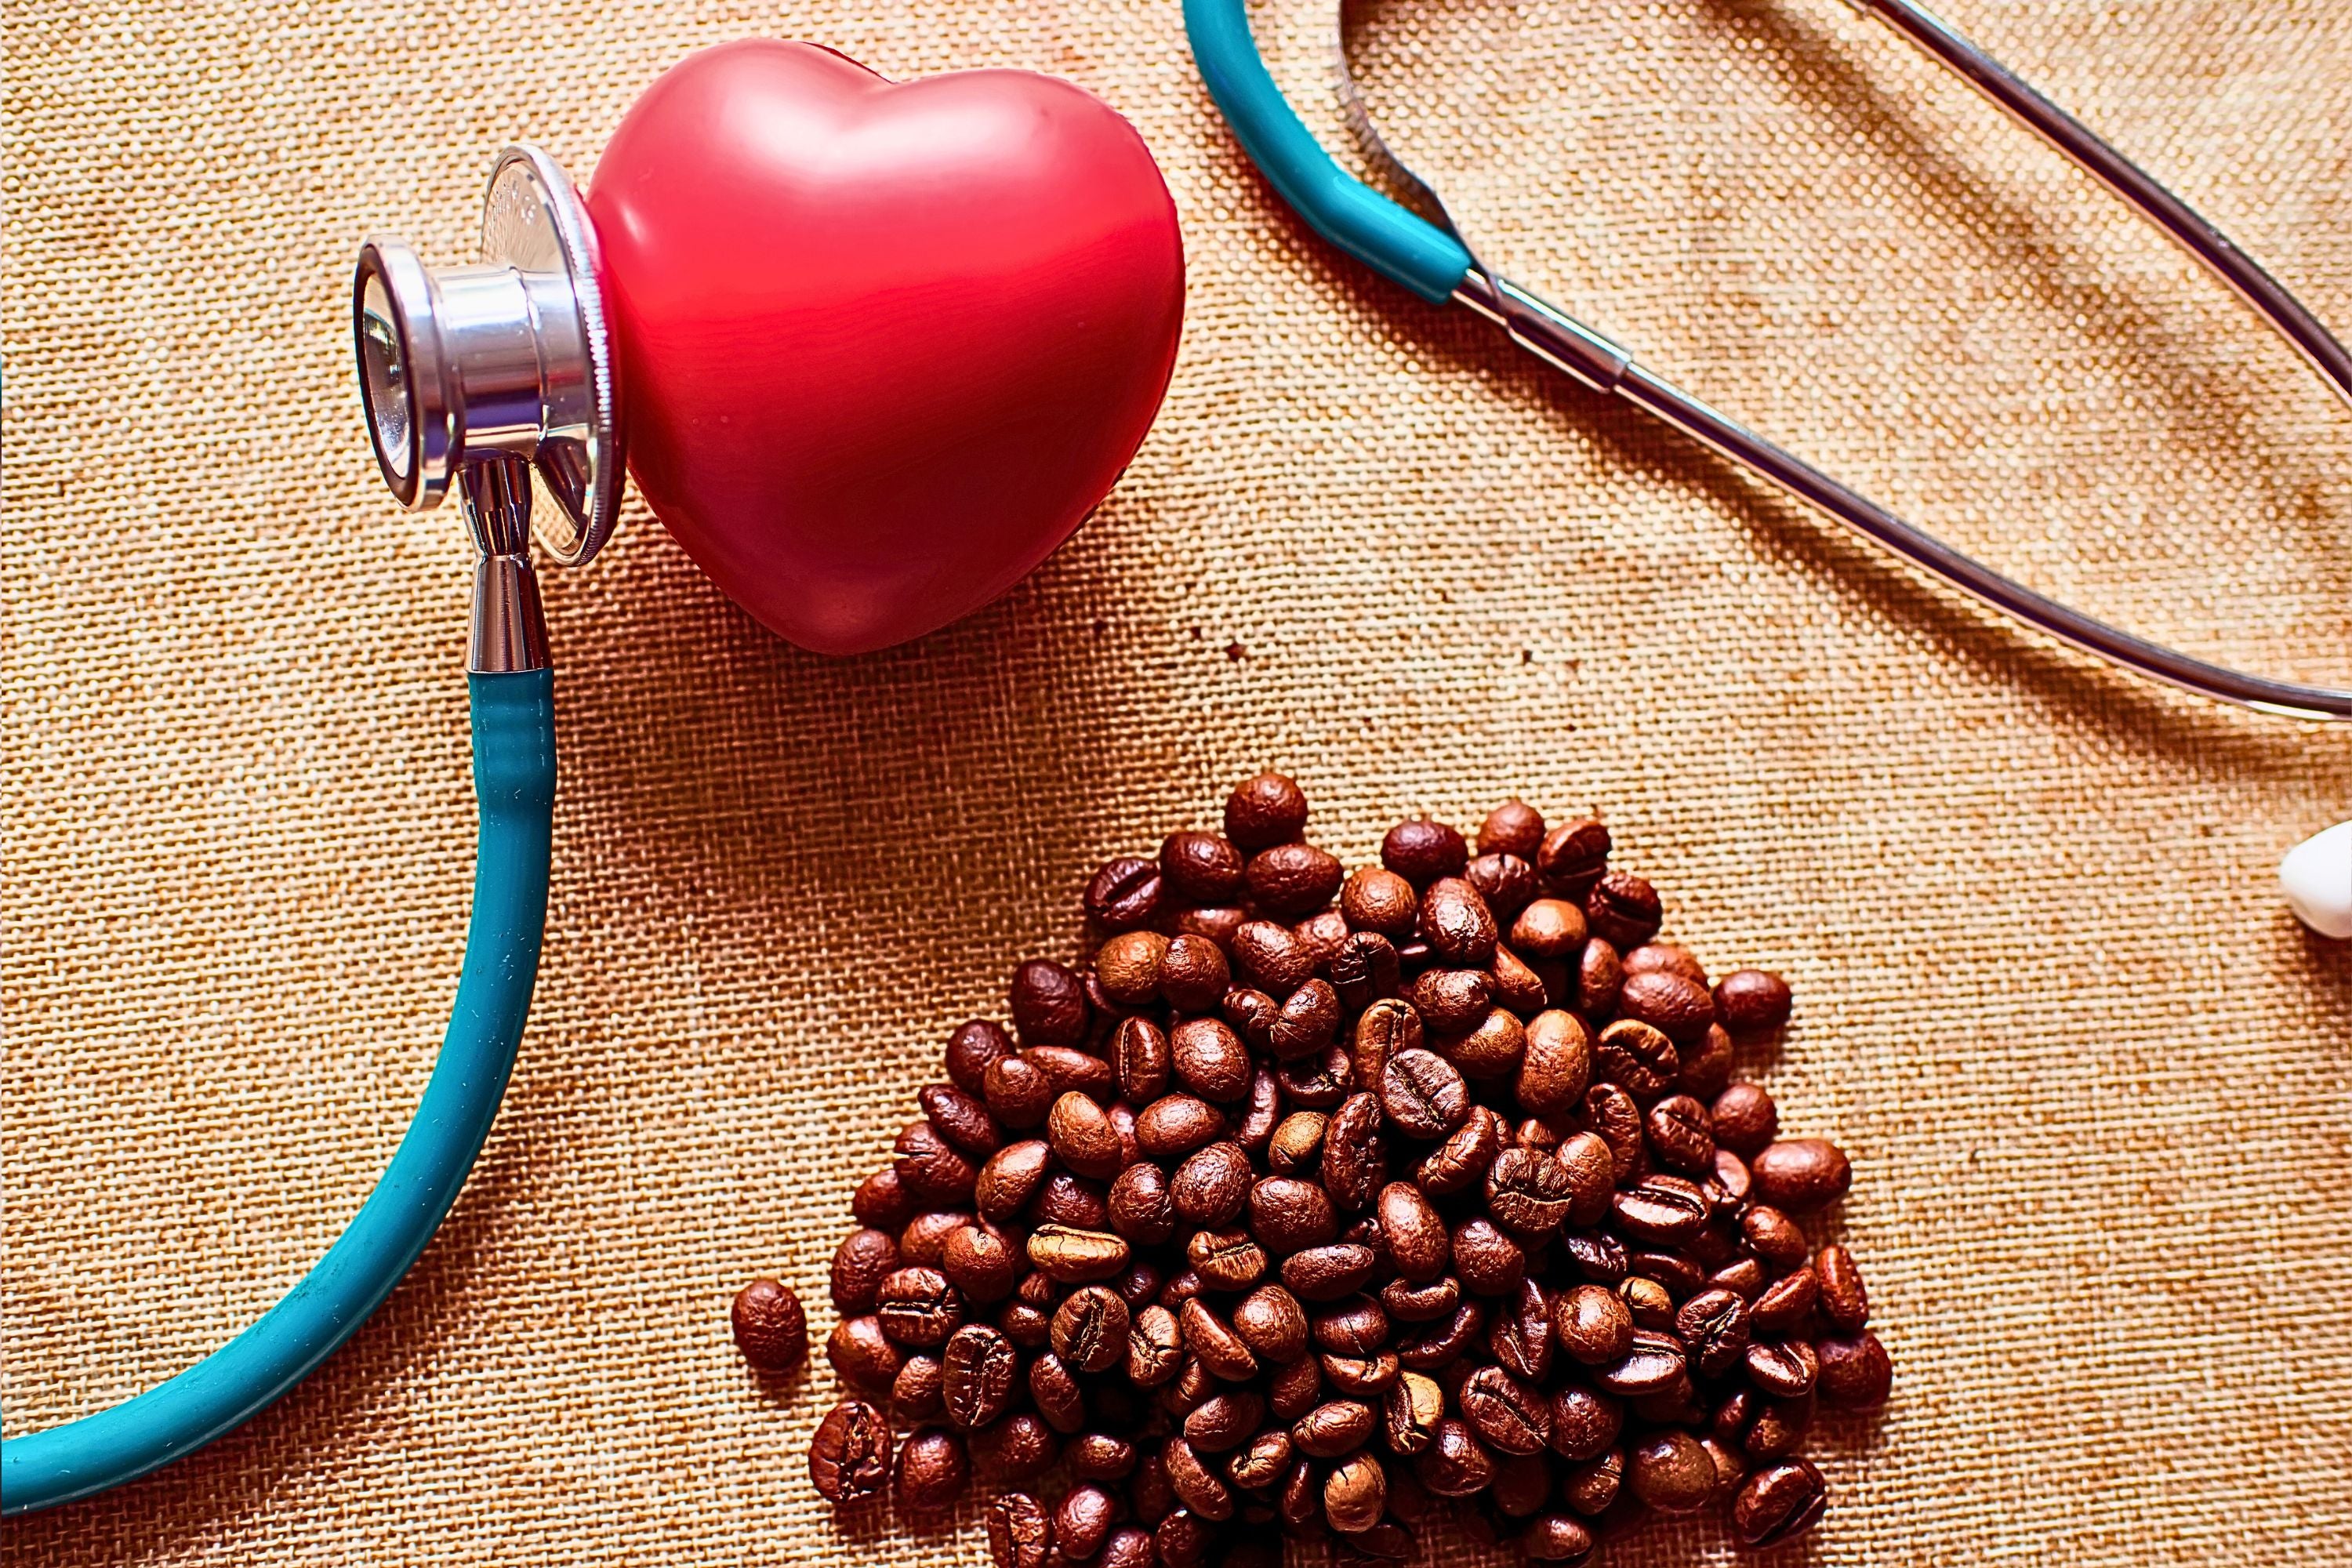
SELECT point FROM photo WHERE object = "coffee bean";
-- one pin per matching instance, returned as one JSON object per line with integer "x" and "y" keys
{"x": 1128, "y": 1546}
{"x": 1090, "y": 1329}
{"x": 1175, "y": 1125}
{"x": 982, "y": 1261}
{"x": 1180, "y": 1541}
{"x": 1196, "y": 1486}
{"x": 1049, "y": 1004}
{"x": 1297, "y": 1141}
{"x": 1453, "y": 1000}
{"x": 1557, "y": 1538}
{"x": 1590, "y": 1169}
{"x": 1557, "y": 1065}
{"x": 1375, "y": 900}
{"x": 1777, "y": 1503}
{"x": 849, "y": 1458}
{"x": 1155, "y": 1347}
{"x": 1307, "y": 1021}
{"x": 1670, "y": 1472}
{"x": 1778, "y": 1429}
{"x": 932, "y": 1470}
{"x": 1194, "y": 974}
{"x": 858, "y": 1265}
{"x": 1076, "y": 1257}
{"x": 1224, "y": 1352}
{"x": 1227, "y": 1260}
{"x": 1423, "y": 1094}
{"x": 1330, "y": 1430}
{"x": 978, "y": 1372}
{"x": 1210, "y": 1060}
{"x": 1786, "y": 1303}
{"x": 1054, "y": 1390}
{"x": 1293, "y": 880}
{"x": 1651, "y": 1304}
{"x": 1528, "y": 1191}
{"x": 1355, "y": 1157}
{"x": 1414, "y": 1406}
{"x": 931, "y": 1169}
{"x": 1593, "y": 1325}
{"x": 1599, "y": 977}
{"x": 1612, "y": 1116}
{"x": 1751, "y": 1002}
{"x": 1597, "y": 1256}
{"x": 1455, "y": 1464}
{"x": 1328, "y": 1273}
{"x": 1355, "y": 1494}
{"x": 1142, "y": 1205}
{"x": 1666, "y": 1210}
{"x": 1457, "y": 924}
{"x": 1745, "y": 1119}
{"x": 1287, "y": 1214}
{"x": 1518, "y": 988}
{"x": 1583, "y": 1422}
{"x": 1706, "y": 1067}
{"x": 1668, "y": 958}
{"x": 1223, "y": 1421}
{"x": 1461, "y": 1159}
{"x": 1548, "y": 929}
{"x": 972, "y": 1050}
{"x": 925, "y": 1239}
{"x": 1422, "y": 851}
{"x": 1487, "y": 1259}
{"x": 1572, "y": 857}
{"x": 918, "y": 1307}
{"x": 1773, "y": 1237}
{"x": 1070, "y": 1201}
{"x": 1413, "y": 1234}
{"x": 1784, "y": 1369}
{"x": 960, "y": 1119}
{"x": 1799, "y": 1176}
{"x": 1653, "y": 1362}
{"x": 1020, "y": 1531}
{"x": 1265, "y": 811}
{"x": 1672, "y": 1004}
{"x": 770, "y": 1328}
{"x": 1623, "y": 909}
{"x": 1018, "y": 1091}
{"x": 1682, "y": 1135}
{"x": 1318, "y": 1082}
{"x": 1508, "y": 1415}
{"x": 1082, "y": 1137}
{"x": 1212, "y": 1185}
{"x": 1637, "y": 1057}
{"x": 1200, "y": 867}
{"x": 1713, "y": 1327}
{"x": 1261, "y": 1462}
{"x": 1082, "y": 1523}
{"x": 1441, "y": 1344}
{"x": 1854, "y": 1371}
{"x": 1494, "y": 1049}
{"x": 861, "y": 1355}
{"x": 1124, "y": 895}
{"x": 1507, "y": 882}
{"x": 1844, "y": 1301}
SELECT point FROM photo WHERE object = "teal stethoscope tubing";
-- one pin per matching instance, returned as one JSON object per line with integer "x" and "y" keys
{"x": 514, "y": 788}
{"x": 1435, "y": 263}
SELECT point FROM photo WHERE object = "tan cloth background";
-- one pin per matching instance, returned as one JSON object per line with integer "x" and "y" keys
{"x": 2093, "y": 1075}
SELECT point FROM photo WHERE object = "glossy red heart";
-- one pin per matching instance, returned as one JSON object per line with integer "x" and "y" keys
{"x": 883, "y": 345}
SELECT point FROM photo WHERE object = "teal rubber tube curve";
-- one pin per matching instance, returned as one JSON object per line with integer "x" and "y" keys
{"x": 514, "y": 788}
{"x": 1399, "y": 244}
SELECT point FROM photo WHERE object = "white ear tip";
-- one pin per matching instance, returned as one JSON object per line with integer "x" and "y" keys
{"x": 2318, "y": 877}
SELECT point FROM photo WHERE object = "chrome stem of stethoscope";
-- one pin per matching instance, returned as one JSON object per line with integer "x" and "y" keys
{"x": 1596, "y": 360}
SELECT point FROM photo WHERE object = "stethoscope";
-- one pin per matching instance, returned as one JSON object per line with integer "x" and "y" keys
{"x": 1430, "y": 256}
{"x": 474, "y": 378}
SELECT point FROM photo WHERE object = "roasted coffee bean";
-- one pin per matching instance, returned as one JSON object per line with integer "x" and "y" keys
{"x": 1175, "y": 1125}
{"x": 1572, "y": 857}
{"x": 1261, "y": 1111}
{"x": 1223, "y": 1421}
{"x": 1745, "y": 1119}
{"x": 1507, "y": 882}
{"x": 1196, "y": 1486}
{"x": 1679, "y": 1273}
{"x": 1599, "y": 977}
{"x": 1287, "y": 1214}
{"x": 880, "y": 1202}
{"x": 1713, "y": 1327}
{"x": 1377, "y": 900}
{"x": 1452, "y": 1001}
{"x": 1140, "y": 1205}
{"x": 1460, "y": 1162}
{"x": 1261, "y": 1462}
{"x": 1127, "y": 967}
{"x": 1557, "y": 1538}
{"x": 1067, "y": 1200}
{"x": 1193, "y": 977}
{"x": 1670, "y": 1472}
{"x": 1297, "y": 1142}
{"x": 1665, "y": 1210}
{"x": 1514, "y": 828}
{"x": 1265, "y": 811}
{"x": 1364, "y": 969}
{"x": 1706, "y": 1067}
{"x": 1494, "y": 1049}
{"x": 1557, "y": 1064}
{"x": 1090, "y": 1329}
{"x": 1596, "y": 1256}
{"x": 1457, "y": 924}
{"x": 1293, "y": 1388}
{"x": 1020, "y": 1531}
{"x": 1413, "y": 1234}
{"x": 1623, "y": 909}
{"x": 1589, "y": 1167}
{"x": 1082, "y": 1137}
{"x": 978, "y": 1373}
{"x": 1673, "y": 1004}
{"x": 1777, "y": 1503}
{"x": 1292, "y": 880}
{"x": 1211, "y": 1187}
{"x": 1335, "y": 1427}
{"x": 1386, "y": 1029}
{"x": 1487, "y": 1259}
{"x": 915, "y": 1393}
{"x": 1054, "y": 1390}
{"x": 1728, "y": 1185}
{"x": 1666, "y": 957}
{"x": 1441, "y": 1344}
{"x": 1124, "y": 894}
{"x": 1786, "y": 1303}
{"x": 1200, "y": 867}
{"x": 1854, "y": 1373}
{"x": 1413, "y": 1408}
{"x": 1082, "y": 1523}
{"x": 1049, "y": 1004}
{"x": 1224, "y": 1352}
{"x": 1128, "y": 1546}
{"x": 960, "y": 1119}
{"x": 770, "y": 1328}
{"x": 1422, "y": 851}
{"x": 1307, "y": 1021}
{"x": 1018, "y": 1091}
{"x": 1076, "y": 1256}
{"x": 982, "y": 1261}
{"x": 1592, "y": 1488}
{"x": 1181, "y": 1541}
{"x": 1844, "y": 1301}
{"x": 1320, "y": 1082}
{"x": 1527, "y": 1192}
{"x": 1682, "y": 1135}
{"x": 1360, "y": 1376}
{"x": 1272, "y": 957}
{"x": 849, "y": 1459}
{"x": 1593, "y": 1325}
{"x": 1520, "y": 1335}
{"x": 931, "y": 1169}
{"x": 1227, "y": 1260}
{"x": 1408, "y": 1302}
{"x": 916, "y": 1307}
{"x": 1583, "y": 1422}
{"x": 1744, "y": 1278}
{"x": 1653, "y": 1363}
{"x": 1355, "y": 1327}
{"x": 1355, "y": 1494}
{"x": 1155, "y": 1347}
{"x": 1636, "y": 1058}
{"x": 1326, "y": 1273}
{"x": 1799, "y": 1176}
{"x": 1508, "y": 1415}
{"x": 1455, "y": 1464}
{"x": 1424, "y": 1095}
{"x": 1610, "y": 1115}
{"x": 1271, "y": 1323}
{"x": 1023, "y": 1324}
{"x": 858, "y": 1265}
{"x": 1784, "y": 1369}
{"x": 1010, "y": 1178}
{"x": 975, "y": 1046}
{"x": 1751, "y": 1001}
{"x": 925, "y": 1239}
{"x": 1772, "y": 1235}
{"x": 1651, "y": 1304}
{"x": 1778, "y": 1429}
{"x": 932, "y": 1470}
{"x": 1210, "y": 1060}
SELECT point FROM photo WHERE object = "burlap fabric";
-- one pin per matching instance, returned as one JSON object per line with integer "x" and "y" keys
{"x": 2092, "y": 1075}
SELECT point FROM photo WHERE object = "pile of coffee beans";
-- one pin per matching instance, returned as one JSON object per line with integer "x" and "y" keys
{"x": 1314, "y": 1198}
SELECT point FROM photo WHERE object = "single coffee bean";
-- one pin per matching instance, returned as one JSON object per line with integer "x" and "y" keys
{"x": 1422, "y": 851}
{"x": 1487, "y": 1259}
{"x": 1271, "y": 1323}
{"x": 1854, "y": 1371}
{"x": 1067, "y": 1200}
{"x": 982, "y": 1261}
{"x": 880, "y": 1202}
{"x": 1332, "y": 1428}
{"x": 1293, "y": 1388}
{"x": 1414, "y": 1407}
{"x": 1589, "y": 1167}
{"x": 1519, "y": 987}
{"x": 1653, "y": 1362}
{"x": 1557, "y": 1065}
{"x": 1844, "y": 1302}
{"x": 1142, "y": 1205}
{"x": 1265, "y": 811}
{"x": 1593, "y": 1325}
{"x": 1124, "y": 895}
{"x": 1713, "y": 1327}
{"x": 1212, "y": 1185}
{"x": 1319, "y": 1082}
{"x": 1049, "y": 1004}
{"x": 1223, "y": 1421}
{"x": 1415, "y": 1237}
{"x": 858, "y": 1265}
{"x": 933, "y": 1171}
{"x": 1777, "y": 1503}
{"x": 1196, "y": 1486}
{"x": 1778, "y": 1429}
{"x": 1440, "y": 1344}
{"x": 1076, "y": 1256}
{"x": 1227, "y": 1260}
{"x": 1222, "y": 1352}
{"x": 978, "y": 1373}
{"x": 1651, "y": 1304}
{"x": 1307, "y": 1023}
{"x": 1457, "y": 924}
{"x": 1082, "y": 1137}
{"x": 849, "y": 1458}
{"x": 1355, "y": 1494}
{"x": 1596, "y": 1256}
{"x": 1572, "y": 857}
{"x": 1514, "y": 828}
{"x": 1181, "y": 1540}
{"x": 1128, "y": 968}
{"x": 1676, "y": 1006}
{"x": 1599, "y": 977}
{"x": 1773, "y": 1237}
{"x": 1423, "y": 1094}
{"x": 1528, "y": 1191}
{"x": 975, "y": 1046}
{"x": 1020, "y": 1531}
{"x": 1376, "y": 899}
{"x": 1155, "y": 1347}
{"x": 1729, "y": 1186}
{"x": 1128, "y": 1546}
{"x": 1364, "y": 969}
{"x": 960, "y": 1119}
{"x": 1786, "y": 1303}
{"x": 1291, "y": 881}
{"x": 1557, "y": 1538}
{"x": 1665, "y": 1210}
{"x": 1744, "y": 1278}
{"x": 1623, "y": 909}
{"x": 1508, "y": 1415}
{"x": 925, "y": 1239}
{"x": 1090, "y": 1329}
{"x": 1355, "y": 1157}
{"x": 1175, "y": 1125}
{"x": 1018, "y": 1091}
{"x": 1459, "y": 1162}
{"x": 1287, "y": 1214}
{"x": 1583, "y": 1422}
{"x": 1493, "y": 1049}
{"x": 1297, "y": 1141}
{"x": 1745, "y": 1119}
{"x": 1548, "y": 929}
{"x": 1328, "y": 1273}
{"x": 1668, "y": 958}
{"x": 1455, "y": 1464}
{"x": 916, "y": 1307}
{"x": 1082, "y": 1523}
{"x": 1670, "y": 1472}
{"x": 1706, "y": 1067}
{"x": 1751, "y": 1002}
{"x": 1682, "y": 1135}
{"x": 1799, "y": 1176}
{"x": 1193, "y": 974}
{"x": 933, "y": 1467}
{"x": 1637, "y": 1057}
{"x": 1783, "y": 1369}
{"x": 1210, "y": 1060}
{"x": 861, "y": 1355}
{"x": 1385, "y": 1029}
{"x": 1200, "y": 868}
{"x": 1360, "y": 1376}
{"x": 1507, "y": 882}
{"x": 770, "y": 1328}
{"x": 1355, "y": 1327}
{"x": 1261, "y": 1462}
{"x": 1451, "y": 1001}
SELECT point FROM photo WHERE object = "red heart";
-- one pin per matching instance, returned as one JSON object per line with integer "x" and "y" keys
{"x": 883, "y": 345}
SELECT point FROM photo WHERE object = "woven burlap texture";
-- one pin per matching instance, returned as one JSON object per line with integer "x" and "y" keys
{"x": 2092, "y": 1076}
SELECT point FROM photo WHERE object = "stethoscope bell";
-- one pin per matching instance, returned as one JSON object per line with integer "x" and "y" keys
{"x": 481, "y": 375}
